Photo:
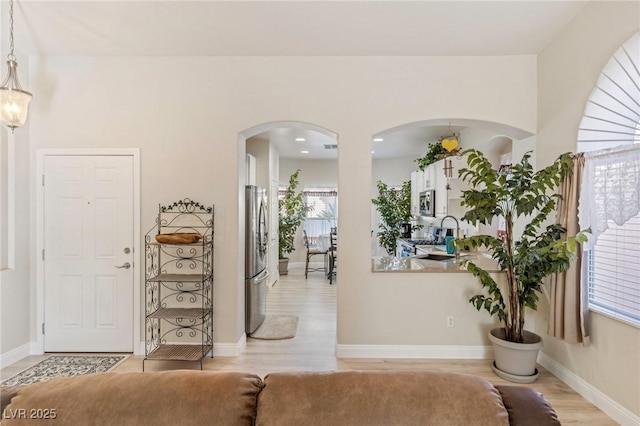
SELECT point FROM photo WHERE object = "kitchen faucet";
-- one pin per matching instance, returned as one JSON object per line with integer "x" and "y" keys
{"x": 455, "y": 247}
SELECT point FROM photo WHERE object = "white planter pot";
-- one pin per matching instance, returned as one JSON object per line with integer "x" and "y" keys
{"x": 283, "y": 266}
{"x": 516, "y": 361}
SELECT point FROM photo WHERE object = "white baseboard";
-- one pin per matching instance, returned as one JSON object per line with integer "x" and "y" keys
{"x": 15, "y": 355}
{"x": 35, "y": 348}
{"x": 220, "y": 349}
{"x": 230, "y": 349}
{"x": 414, "y": 351}
{"x": 592, "y": 394}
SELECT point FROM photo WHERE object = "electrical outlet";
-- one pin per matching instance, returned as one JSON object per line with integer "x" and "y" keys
{"x": 450, "y": 321}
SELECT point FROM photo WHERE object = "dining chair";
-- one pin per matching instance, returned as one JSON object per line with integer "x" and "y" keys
{"x": 311, "y": 251}
{"x": 333, "y": 256}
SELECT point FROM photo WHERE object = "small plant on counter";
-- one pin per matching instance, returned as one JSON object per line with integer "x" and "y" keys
{"x": 394, "y": 206}
{"x": 292, "y": 211}
{"x": 527, "y": 259}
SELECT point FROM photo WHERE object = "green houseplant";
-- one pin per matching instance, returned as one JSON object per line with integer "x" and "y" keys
{"x": 394, "y": 206}
{"x": 527, "y": 259}
{"x": 292, "y": 211}
{"x": 435, "y": 151}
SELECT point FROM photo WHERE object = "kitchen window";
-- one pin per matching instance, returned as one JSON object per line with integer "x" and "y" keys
{"x": 323, "y": 215}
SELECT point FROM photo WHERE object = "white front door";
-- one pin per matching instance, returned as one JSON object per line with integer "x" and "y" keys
{"x": 88, "y": 253}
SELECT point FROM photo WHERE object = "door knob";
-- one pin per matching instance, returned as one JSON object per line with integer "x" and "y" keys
{"x": 127, "y": 265}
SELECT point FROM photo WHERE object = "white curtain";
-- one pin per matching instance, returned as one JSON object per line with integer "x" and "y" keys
{"x": 610, "y": 189}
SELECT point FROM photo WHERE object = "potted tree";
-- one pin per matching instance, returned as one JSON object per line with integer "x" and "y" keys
{"x": 526, "y": 260}
{"x": 292, "y": 210}
{"x": 394, "y": 207}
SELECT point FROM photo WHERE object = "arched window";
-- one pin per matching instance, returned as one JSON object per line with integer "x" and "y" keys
{"x": 610, "y": 198}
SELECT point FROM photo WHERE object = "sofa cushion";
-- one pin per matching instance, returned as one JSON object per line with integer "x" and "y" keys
{"x": 379, "y": 398}
{"x": 527, "y": 407}
{"x": 181, "y": 397}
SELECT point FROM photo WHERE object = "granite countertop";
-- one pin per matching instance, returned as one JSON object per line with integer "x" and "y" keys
{"x": 413, "y": 264}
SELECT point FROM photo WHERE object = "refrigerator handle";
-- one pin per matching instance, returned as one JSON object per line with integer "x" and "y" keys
{"x": 260, "y": 277}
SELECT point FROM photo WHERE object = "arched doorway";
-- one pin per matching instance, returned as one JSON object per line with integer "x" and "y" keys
{"x": 263, "y": 151}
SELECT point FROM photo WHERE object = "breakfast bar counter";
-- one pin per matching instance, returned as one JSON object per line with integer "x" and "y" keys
{"x": 418, "y": 265}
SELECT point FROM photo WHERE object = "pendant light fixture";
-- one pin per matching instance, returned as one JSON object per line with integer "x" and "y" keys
{"x": 14, "y": 101}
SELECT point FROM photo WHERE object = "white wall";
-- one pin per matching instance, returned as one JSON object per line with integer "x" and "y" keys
{"x": 259, "y": 148}
{"x": 15, "y": 291}
{"x": 313, "y": 173}
{"x": 15, "y": 319}
{"x": 188, "y": 134}
{"x": 568, "y": 70}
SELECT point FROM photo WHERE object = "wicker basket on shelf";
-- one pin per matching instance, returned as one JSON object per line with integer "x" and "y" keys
{"x": 179, "y": 238}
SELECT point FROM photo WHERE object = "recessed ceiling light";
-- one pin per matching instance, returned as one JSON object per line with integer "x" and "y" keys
{"x": 378, "y": 139}
{"x": 300, "y": 139}
{"x": 373, "y": 152}
{"x": 304, "y": 152}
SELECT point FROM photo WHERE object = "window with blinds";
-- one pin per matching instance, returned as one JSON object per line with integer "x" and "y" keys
{"x": 611, "y": 121}
{"x": 323, "y": 215}
{"x": 613, "y": 271}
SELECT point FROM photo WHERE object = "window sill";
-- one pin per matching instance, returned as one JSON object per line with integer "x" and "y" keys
{"x": 608, "y": 314}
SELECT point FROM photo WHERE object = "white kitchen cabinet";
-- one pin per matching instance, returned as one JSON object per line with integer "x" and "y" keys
{"x": 440, "y": 186}
{"x": 457, "y": 185}
{"x": 448, "y": 189}
{"x": 429, "y": 176}
{"x": 417, "y": 186}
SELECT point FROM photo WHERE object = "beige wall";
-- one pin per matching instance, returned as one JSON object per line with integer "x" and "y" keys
{"x": 568, "y": 70}
{"x": 188, "y": 132}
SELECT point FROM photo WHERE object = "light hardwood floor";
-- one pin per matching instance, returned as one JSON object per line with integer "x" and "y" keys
{"x": 313, "y": 349}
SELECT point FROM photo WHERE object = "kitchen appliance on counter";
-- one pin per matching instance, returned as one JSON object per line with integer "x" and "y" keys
{"x": 256, "y": 243}
{"x": 406, "y": 230}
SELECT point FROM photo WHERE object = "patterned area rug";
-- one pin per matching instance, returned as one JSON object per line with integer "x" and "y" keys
{"x": 277, "y": 327}
{"x": 65, "y": 366}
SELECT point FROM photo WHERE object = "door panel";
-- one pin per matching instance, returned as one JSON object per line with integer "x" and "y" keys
{"x": 88, "y": 223}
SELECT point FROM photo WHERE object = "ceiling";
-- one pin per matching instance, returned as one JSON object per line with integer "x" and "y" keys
{"x": 287, "y": 28}
{"x": 292, "y": 28}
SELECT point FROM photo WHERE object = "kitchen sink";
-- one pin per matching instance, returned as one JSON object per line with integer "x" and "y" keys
{"x": 433, "y": 256}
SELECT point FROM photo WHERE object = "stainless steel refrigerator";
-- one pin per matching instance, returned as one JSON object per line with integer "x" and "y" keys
{"x": 256, "y": 243}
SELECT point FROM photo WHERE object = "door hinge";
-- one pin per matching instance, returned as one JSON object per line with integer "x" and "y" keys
{"x": 42, "y": 180}
{"x": 42, "y": 328}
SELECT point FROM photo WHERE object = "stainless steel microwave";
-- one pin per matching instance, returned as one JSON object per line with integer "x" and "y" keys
{"x": 427, "y": 203}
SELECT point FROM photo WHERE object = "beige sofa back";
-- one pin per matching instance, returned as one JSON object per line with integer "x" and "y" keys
{"x": 164, "y": 398}
{"x": 186, "y": 397}
{"x": 379, "y": 398}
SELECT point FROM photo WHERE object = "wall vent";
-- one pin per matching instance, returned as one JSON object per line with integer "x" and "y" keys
{"x": 330, "y": 146}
